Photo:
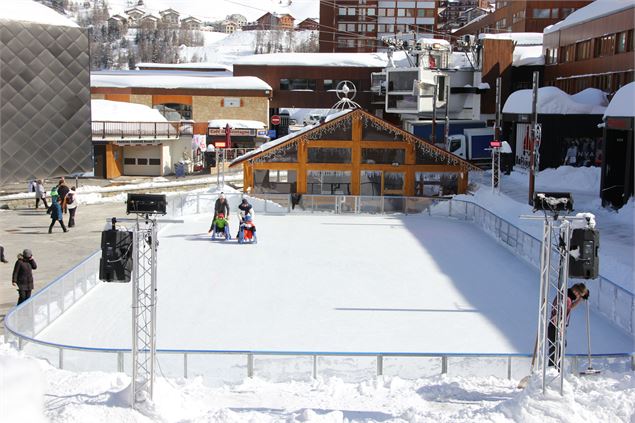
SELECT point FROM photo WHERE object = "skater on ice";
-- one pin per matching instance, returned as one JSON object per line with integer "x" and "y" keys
{"x": 221, "y": 206}
{"x": 220, "y": 225}
{"x": 247, "y": 230}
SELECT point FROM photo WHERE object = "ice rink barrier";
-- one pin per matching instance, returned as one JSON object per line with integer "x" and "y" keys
{"x": 217, "y": 367}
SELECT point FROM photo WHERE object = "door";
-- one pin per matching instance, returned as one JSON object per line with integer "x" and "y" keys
{"x": 376, "y": 183}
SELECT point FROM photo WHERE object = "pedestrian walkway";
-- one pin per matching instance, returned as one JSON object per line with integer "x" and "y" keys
{"x": 54, "y": 253}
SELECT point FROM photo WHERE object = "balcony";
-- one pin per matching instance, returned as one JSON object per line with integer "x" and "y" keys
{"x": 137, "y": 131}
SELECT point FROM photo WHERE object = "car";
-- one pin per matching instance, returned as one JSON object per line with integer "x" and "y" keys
{"x": 312, "y": 119}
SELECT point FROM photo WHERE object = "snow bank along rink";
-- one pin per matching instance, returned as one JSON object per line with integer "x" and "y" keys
{"x": 338, "y": 283}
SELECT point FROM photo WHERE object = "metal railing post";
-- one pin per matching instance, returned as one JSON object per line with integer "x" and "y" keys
{"x": 120, "y": 361}
{"x": 20, "y": 343}
{"x": 509, "y": 367}
{"x": 450, "y": 208}
{"x": 380, "y": 365}
{"x": 250, "y": 365}
{"x": 198, "y": 202}
{"x": 315, "y": 366}
{"x": 444, "y": 365}
{"x": 185, "y": 365}
{"x": 60, "y": 359}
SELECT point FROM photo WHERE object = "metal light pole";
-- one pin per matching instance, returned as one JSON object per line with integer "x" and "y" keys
{"x": 533, "y": 145}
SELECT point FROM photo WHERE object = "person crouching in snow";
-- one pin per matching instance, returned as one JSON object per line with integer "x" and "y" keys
{"x": 220, "y": 225}
{"x": 247, "y": 230}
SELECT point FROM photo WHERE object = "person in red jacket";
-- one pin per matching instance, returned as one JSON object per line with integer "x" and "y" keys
{"x": 575, "y": 295}
{"x": 23, "y": 275}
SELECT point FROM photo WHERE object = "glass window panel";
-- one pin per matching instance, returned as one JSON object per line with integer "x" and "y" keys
{"x": 342, "y": 11}
{"x": 372, "y": 133}
{"x": 424, "y": 156}
{"x": 329, "y": 155}
{"x": 370, "y": 183}
{"x": 383, "y": 155}
{"x": 541, "y": 13}
{"x": 432, "y": 184}
{"x": 329, "y": 182}
{"x": 275, "y": 181}
{"x": 288, "y": 155}
{"x": 155, "y": 161}
{"x": 175, "y": 111}
{"x": 142, "y": 161}
{"x": 393, "y": 181}
{"x": 402, "y": 81}
{"x": 129, "y": 161}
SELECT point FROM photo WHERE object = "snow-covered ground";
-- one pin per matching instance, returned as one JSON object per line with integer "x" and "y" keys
{"x": 617, "y": 228}
{"x": 32, "y": 391}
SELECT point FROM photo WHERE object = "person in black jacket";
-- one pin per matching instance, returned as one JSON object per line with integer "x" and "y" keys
{"x": 23, "y": 275}
{"x": 62, "y": 190}
{"x": 221, "y": 206}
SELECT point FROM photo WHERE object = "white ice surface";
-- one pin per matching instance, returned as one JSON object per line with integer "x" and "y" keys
{"x": 334, "y": 283}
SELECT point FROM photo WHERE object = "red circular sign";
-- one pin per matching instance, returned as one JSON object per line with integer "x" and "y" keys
{"x": 275, "y": 120}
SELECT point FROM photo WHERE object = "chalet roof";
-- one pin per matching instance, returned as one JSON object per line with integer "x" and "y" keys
{"x": 117, "y": 18}
{"x": 191, "y": 19}
{"x": 312, "y": 132}
{"x": 151, "y": 17}
{"x": 169, "y": 12}
{"x": 134, "y": 9}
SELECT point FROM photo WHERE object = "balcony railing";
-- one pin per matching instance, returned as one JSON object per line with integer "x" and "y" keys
{"x": 135, "y": 130}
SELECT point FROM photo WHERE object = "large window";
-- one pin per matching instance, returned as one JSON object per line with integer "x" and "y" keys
{"x": 435, "y": 184}
{"x": 621, "y": 45}
{"x": 175, "y": 111}
{"x": 583, "y": 50}
{"x": 331, "y": 84}
{"x": 275, "y": 181}
{"x": 541, "y": 13}
{"x": 297, "y": 84}
{"x": 328, "y": 182}
{"x": 383, "y": 155}
{"x": 329, "y": 155}
{"x": 370, "y": 183}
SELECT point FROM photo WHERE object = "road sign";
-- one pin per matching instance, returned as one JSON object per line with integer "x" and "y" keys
{"x": 275, "y": 120}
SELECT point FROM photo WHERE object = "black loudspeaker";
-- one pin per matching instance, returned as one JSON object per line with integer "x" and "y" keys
{"x": 210, "y": 159}
{"x": 584, "y": 262}
{"x": 146, "y": 204}
{"x": 115, "y": 264}
{"x": 553, "y": 201}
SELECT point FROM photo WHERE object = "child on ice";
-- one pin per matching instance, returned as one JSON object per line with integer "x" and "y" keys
{"x": 220, "y": 225}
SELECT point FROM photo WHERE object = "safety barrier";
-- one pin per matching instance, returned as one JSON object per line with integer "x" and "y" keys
{"x": 26, "y": 321}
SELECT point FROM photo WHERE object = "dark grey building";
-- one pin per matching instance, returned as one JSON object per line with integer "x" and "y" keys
{"x": 44, "y": 96}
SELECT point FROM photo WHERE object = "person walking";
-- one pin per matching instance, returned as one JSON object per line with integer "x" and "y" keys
{"x": 57, "y": 215}
{"x": 221, "y": 206}
{"x": 22, "y": 277}
{"x": 71, "y": 205}
{"x": 62, "y": 190}
{"x": 40, "y": 194}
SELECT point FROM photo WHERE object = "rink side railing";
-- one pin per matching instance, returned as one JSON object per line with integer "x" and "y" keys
{"x": 24, "y": 323}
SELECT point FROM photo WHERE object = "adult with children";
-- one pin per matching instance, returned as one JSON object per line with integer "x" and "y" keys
{"x": 221, "y": 206}
{"x": 22, "y": 277}
{"x": 575, "y": 295}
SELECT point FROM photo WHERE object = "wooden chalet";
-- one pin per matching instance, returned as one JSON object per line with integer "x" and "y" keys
{"x": 353, "y": 153}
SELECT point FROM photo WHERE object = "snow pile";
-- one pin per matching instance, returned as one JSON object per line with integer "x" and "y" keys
{"x": 623, "y": 102}
{"x": 236, "y": 123}
{"x": 139, "y": 79}
{"x": 528, "y": 56}
{"x": 594, "y": 10}
{"x": 185, "y": 66}
{"x": 118, "y": 111}
{"x": 592, "y": 96}
{"x": 30, "y": 11}
{"x": 552, "y": 100}
{"x": 519, "y": 38}
{"x": 103, "y": 397}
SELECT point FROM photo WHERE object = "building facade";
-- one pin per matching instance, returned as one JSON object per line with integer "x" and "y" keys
{"x": 522, "y": 16}
{"x": 593, "y": 52}
{"x": 44, "y": 95}
{"x": 360, "y": 25}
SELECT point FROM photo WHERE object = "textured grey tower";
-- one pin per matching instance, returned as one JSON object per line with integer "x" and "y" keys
{"x": 44, "y": 93}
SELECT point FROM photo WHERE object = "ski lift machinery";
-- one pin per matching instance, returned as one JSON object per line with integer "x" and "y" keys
{"x": 413, "y": 90}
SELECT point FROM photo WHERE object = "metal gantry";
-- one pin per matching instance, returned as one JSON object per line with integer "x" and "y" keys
{"x": 144, "y": 300}
{"x": 496, "y": 169}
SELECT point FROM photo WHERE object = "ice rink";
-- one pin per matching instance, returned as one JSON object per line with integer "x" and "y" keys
{"x": 334, "y": 283}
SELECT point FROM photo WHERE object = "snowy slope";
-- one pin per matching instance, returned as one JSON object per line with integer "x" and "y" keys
{"x": 32, "y": 391}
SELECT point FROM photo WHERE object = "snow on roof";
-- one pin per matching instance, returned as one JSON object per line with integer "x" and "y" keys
{"x": 528, "y": 56}
{"x": 591, "y": 96}
{"x": 520, "y": 38}
{"x": 140, "y": 79}
{"x": 552, "y": 100}
{"x": 236, "y": 123}
{"x": 118, "y": 111}
{"x": 266, "y": 146}
{"x": 196, "y": 65}
{"x": 459, "y": 60}
{"x": 30, "y": 11}
{"x": 361, "y": 60}
{"x": 623, "y": 102}
{"x": 593, "y": 10}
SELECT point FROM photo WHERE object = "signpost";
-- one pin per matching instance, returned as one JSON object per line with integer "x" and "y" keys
{"x": 275, "y": 120}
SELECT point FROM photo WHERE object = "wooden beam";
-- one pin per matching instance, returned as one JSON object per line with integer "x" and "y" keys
{"x": 356, "y": 155}
{"x": 275, "y": 166}
{"x": 302, "y": 167}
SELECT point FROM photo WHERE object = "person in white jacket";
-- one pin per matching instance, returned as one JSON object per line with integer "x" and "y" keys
{"x": 40, "y": 194}
{"x": 71, "y": 205}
